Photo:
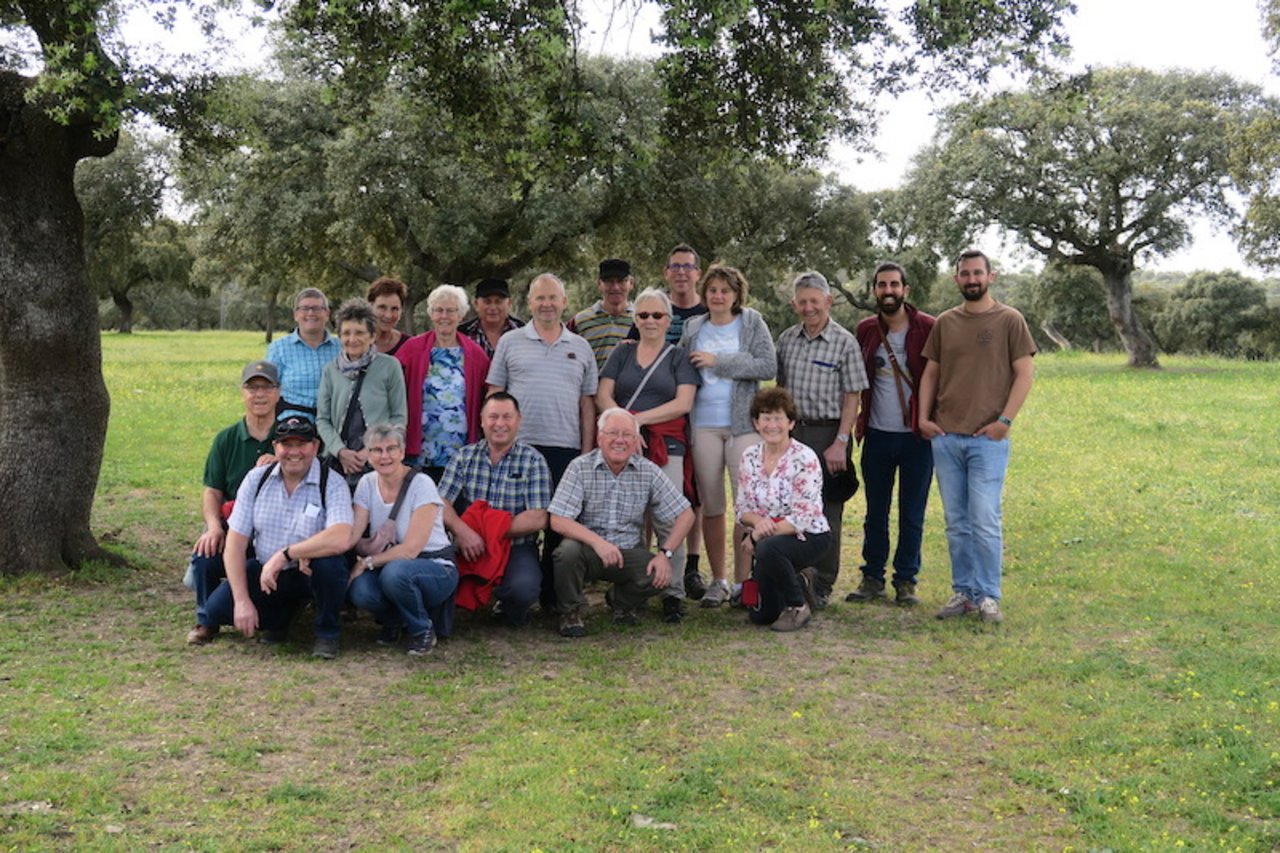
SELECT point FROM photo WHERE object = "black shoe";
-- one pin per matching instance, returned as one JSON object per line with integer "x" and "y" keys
{"x": 325, "y": 647}
{"x": 694, "y": 585}
{"x": 273, "y": 637}
{"x": 672, "y": 610}
{"x": 422, "y": 644}
{"x": 388, "y": 635}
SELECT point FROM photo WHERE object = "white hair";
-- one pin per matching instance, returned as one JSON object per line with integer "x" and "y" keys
{"x": 613, "y": 413}
{"x": 654, "y": 293}
{"x": 448, "y": 291}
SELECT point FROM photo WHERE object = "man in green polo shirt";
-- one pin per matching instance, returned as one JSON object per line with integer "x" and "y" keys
{"x": 236, "y": 450}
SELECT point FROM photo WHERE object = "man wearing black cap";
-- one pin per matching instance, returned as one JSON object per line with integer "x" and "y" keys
{"x": 610, "y": 319}
{"x": 298, "y": 520}
{"x": 236, "y": 451}
{"x": 493, "y": 315}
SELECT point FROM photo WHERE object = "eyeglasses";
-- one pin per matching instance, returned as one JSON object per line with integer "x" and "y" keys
{"x": 682, "y": 267}
{"x": 445, "y": 309}
{"x": 310, "y": 309}
{"x": 378, "y": 450}
{"x": 650, "y": 315}
{"x": 616, "y": 433}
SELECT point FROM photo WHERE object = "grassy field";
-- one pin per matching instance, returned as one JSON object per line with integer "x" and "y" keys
{"x": 1130, "y": 700}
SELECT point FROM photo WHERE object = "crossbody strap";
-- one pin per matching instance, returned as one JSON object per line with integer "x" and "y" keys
{"x": 645, "y": 380}
{"x": 899, "y": 375}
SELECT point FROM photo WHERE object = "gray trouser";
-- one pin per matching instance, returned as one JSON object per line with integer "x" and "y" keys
{"x": 577, "y": 563}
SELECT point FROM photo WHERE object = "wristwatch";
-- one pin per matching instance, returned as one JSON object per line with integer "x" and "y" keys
{"x": 1006, "y": 421}
{"x": 842, "y": 437}
{"x": 666, "y": 552}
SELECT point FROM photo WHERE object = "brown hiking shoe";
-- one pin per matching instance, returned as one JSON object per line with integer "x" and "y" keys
{"x": 571, "y": 624}
{"x": 202, "y": 635}
{"x": 906, "y": 594}
{"x": 869, "y": 590}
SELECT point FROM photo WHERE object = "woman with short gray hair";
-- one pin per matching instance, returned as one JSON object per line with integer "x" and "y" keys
{"x": 359, "y": 387}
{"x": 444, "y": 378}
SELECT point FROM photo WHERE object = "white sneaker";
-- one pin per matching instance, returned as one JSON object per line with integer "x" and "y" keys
{"x": 717, "y": 593}
{"x": 989, "y": 610}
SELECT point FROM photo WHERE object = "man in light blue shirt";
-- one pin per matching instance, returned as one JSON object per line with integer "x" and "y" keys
{"x": 301, "y": 355}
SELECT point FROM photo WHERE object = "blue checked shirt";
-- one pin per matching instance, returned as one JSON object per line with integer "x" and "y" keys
{"x": 301, "y": 366}
{"x": 274, "y": 519}
{"x": 819, "y": 371}
{"x": 520, "y": 481}
{"x": 613, "y": 505}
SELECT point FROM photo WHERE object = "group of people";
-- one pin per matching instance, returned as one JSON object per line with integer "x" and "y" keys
{"x": 454, "y": 452}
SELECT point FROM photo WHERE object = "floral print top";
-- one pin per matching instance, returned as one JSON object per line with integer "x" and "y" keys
{"x": 793, "y": 492}
{"x": 444, "y": 418}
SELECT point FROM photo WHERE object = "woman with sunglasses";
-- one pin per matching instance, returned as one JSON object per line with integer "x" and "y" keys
{"x": 656, "y": 382}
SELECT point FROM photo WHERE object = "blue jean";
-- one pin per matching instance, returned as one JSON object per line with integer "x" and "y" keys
{"x": 327, "y": 584}
{"x": 884, "y": 455}
{"x": 405, "y": 592}
{"x": 970, "y": 473}
{"x": 778, "y": 561}
{"x": 521, "y": 583}
{"x": 207, "y": 573}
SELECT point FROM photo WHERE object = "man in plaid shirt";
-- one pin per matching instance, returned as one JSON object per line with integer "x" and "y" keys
{"x": 820, "y": 363}
{"x": 512, "y": 477}
{"x": 599, "y": 509}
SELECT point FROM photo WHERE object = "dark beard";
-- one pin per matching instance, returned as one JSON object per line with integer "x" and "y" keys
{"x": 889, "y": 304}
{"x": 971, "y": 296}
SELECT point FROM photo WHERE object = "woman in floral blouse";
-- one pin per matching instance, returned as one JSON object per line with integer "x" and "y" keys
{"x": 780, "y": 504}
{"x": 444, "y": 376}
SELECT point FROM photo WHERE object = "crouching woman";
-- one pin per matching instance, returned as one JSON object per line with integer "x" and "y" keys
{"x": 404, "y": 572}
{"x": 780, "y": 505}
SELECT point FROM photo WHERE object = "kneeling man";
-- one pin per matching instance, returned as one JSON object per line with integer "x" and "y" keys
{"x": 299, "y": 521}
{"x": 599, "y": 509}
{"x": 513, "y": 477}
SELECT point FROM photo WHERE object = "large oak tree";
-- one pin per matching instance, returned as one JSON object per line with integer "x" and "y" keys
{"x": 1102, "y": 170}
{"x": 772, "y": 77}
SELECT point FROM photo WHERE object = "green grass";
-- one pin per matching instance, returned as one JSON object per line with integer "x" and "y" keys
{"x": 1130, "y": 700}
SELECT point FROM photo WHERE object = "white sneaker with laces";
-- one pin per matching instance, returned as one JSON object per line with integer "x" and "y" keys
{"x": 989, "y": 610}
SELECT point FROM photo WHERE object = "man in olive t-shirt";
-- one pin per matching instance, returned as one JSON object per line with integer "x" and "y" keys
{"x": 977, "y": 376}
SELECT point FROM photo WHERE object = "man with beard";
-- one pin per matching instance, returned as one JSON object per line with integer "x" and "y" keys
{"x": 892, "y": 345}
{"x": 977, "y": 377}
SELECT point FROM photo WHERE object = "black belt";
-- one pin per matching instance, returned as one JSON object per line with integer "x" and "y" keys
{"x": 818, "y": 422}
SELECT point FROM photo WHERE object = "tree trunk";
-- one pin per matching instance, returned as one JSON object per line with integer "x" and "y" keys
{"x": 125, "y": 306}
{"x": 1139, "y": 345}
{"x": 1055, "y": 336}
{"x": 53, "y": 401}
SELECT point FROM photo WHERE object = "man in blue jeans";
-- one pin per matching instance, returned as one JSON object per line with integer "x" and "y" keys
{"x": 299, "y": 521}
{"x": 978, "y": 375}
{"x": 892, "y": 345}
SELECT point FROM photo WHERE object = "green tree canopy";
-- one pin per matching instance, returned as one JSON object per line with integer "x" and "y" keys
{"x": 1102, "y": 170}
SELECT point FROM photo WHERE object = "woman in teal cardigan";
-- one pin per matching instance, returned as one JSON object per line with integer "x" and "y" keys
{"x": 381, "y": 400}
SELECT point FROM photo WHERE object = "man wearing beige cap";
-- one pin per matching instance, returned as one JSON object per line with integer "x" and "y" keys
{"x": 236, "y": 451}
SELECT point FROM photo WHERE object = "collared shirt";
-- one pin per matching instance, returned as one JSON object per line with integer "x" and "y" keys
{"x": 472, "y": 329}
{"x": 820, "y": 370}
{"x": 274, "y": 519}
{"x": 602, "y": 330}
{"x": 233, "y": 454}
{"x": 613, "y": 505}
{"x": 793, "y": 492}
{"x": 549, "y": 380}
{"x": 301, "y": 366}
{"x": 520, "y": 481}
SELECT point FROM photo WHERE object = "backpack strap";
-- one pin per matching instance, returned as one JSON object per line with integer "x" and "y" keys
{"x": 404, "y": 490}
{"x": 324, "y": 484}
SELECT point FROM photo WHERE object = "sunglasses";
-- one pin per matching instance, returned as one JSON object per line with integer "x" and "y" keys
{"x": 645, "y": 315}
